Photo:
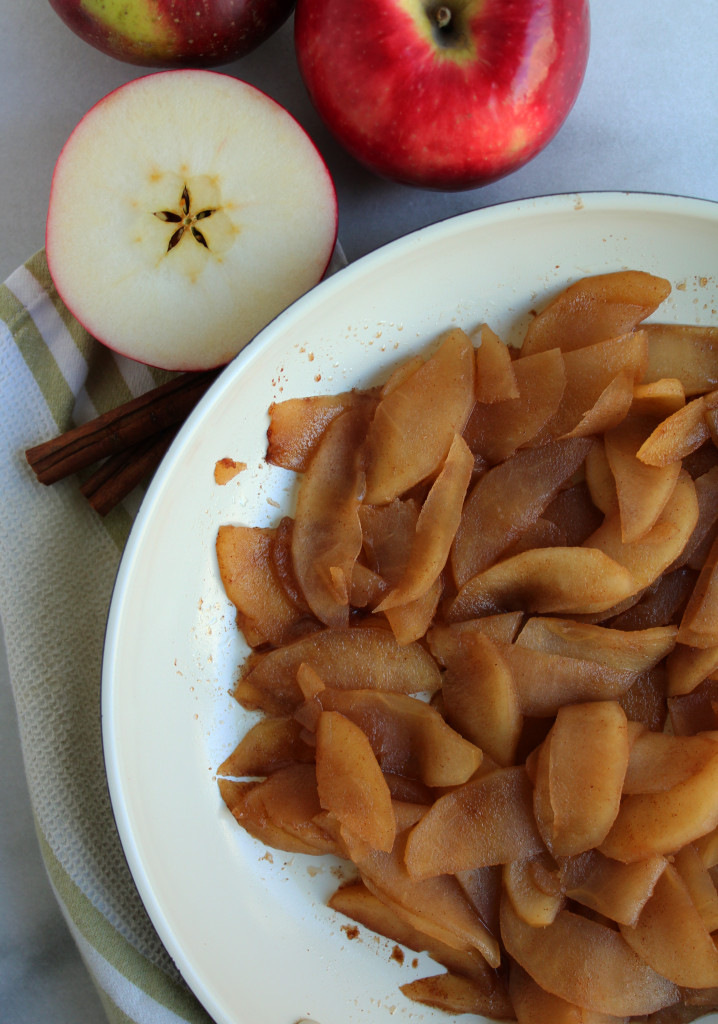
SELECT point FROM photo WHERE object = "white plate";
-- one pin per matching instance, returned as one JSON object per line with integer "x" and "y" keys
{"x": 250, "y": 932}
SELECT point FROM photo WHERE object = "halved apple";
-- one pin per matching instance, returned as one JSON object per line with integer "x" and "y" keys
{"x": 174, "y": 231}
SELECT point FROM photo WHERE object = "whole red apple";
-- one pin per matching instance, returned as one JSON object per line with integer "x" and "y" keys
{"x": 443, "y": 94}
{"x": 174, "y": 33}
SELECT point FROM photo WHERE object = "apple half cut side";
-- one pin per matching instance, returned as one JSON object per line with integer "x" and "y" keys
{"x": 187, "y": 210}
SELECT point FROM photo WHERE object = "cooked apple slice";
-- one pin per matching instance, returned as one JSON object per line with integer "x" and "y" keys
{"x": 677, "y": 436}
{"x": 542, "y": 534}
{"x": 409, "y": 622}
{"x": 309, "y": 682}
{"x": 635, "y": 651}
{"x": 533, "y": 1005}
{"x": 480, "y": 697}
{"x": 660, "y": 399}
{"x": 647, "y": 558}
{"x": 707, "y": 494}
{"x": 645, "y": 700}
{"x": 643, "y": 490}
{"x": 532, "y": 905}
{"x": 495, "y": 431}
{"x": 457, "y": 994}
{"x": 414, "y": 426}
{"x": 435, "y": 529}
{"x": 350, "y": 782}
{"x": 344, "y": 659}
{"x": 495, "y": 376}
{"x": 670, "y": 935}
{"x": 544, "y": 682}
{"x": 585, "y": 963}
{"x": 547, "y": 580}
{"x": 689, "y": 666}
{"x": 357, "y": 903}
{"x": 266, "y": 748}
{"x": 327, "y": 535}
{"x": 367, "y": 588}
{"x": 587, "y": 765}
{"x": 482, "y": 888}
{"x": 594, "y": 309}
{"x": 282, "y": 562}
{"x": 660, "y": 604}
{"x": 689, "y": 354}
{"x": 244, "y": 555}
{"x": 400, "y": 374}
{"x": 659, "y": 762}
{"x": 507, "y": 500}
{"x": 573, "y": 512}
{"x": 699, "y": 625}
{"x": 489, "y": 821}
{"x": 298, "y": 425}
{"x": 653, "y": 823}
{"x": 609, "y": 409}
{"x": 408, "y": 790}
{"x": 589, "y": 371}
{"x": 600, "y": 480}
{"x": 444, "y": 640}
{"x": 407, "y": 736}
{"x": 619, "y": 891}
{"x": 233, "y": 793}
{"x": 707, "y": 849}
{"x": 699, "y": 884}
{"x": 696, "y": 712}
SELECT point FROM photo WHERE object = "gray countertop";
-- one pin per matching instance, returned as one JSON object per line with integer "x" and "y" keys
{"x": 646, "y": 120}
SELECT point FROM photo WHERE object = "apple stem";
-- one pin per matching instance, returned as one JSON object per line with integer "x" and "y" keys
{"x": 443, "y": 17}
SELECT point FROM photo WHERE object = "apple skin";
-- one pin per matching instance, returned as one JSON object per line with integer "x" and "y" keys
{"x": 174, "y": 33}
{"x": 445, "y": 109}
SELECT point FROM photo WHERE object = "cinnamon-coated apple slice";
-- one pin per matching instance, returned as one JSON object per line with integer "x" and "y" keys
{"x": 268, "y": 747}
{"x": 643, "y": 490}
{"x": 173, "y": 233}
{"x": 670, "y": 935}
{"x": 443, "y": 640}
{"x": 699, "y": 625}
{"x": 367, "y": 588}
{"x": 494, "y": 431}
{"x": 350, "y": 782}
{"x": 660, "y": 602}
{"x": 546, "y": 580}
{"x": 533, "y": 1005}
{"x": 645, "y": 700}
{"x": 595, "y": 309}
{"x": 495, "y": 375}
{"x": 282, "y": 563}
{"x": 574, "y": 513}
{"x": 541, "y": 534}
{"x": 413, "y": 427}
{"x": 507, "y": 500}
{"x": 609, "y": 409}
{"x": 459, "y": 994}
{"x": 678, "y": 435}
{"x": 309, "y": 681}
{"x": 344, "y": 659}
{"x": 387, "y": 536}
{"x": 487, "y": 821}
{"x": 482, "y": 888}
{"x": 688, "y": 354}
{"x": 660, "y": 399}
{"x": 409, "y": 622}
{"x": 688, "y": 666}
{"x": 635, "y": 651}
{"x": 402, "y": 373}
{"x": 435, "y": 528}
{"x": 618, "y": 891}
{"x": 532, "y": 905}
{"x": 658, "y": 762}
{"x": 600, "y": 480}
{"x": 699, "y": 884}
{"x": 707, "y": 495}
{"x": 585, "y": 963}
{"x": 587, "y": 766}
{"x": 695, "y": 712}
{"x": 297, "y": 425}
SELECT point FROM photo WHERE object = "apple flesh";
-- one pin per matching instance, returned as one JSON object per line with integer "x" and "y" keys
{"x": 164, "y": 33}
{"x": 187, "y": 210}
{"x": 446, "y": 95}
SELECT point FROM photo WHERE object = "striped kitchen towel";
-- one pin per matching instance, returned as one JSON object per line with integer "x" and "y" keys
{"x": 58, "y": 561}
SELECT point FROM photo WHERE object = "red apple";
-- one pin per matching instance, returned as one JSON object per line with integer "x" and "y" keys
{"x": 174, "y": 33}
{"x": 449, "y": 94}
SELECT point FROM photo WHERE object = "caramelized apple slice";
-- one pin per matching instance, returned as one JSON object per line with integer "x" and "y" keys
{"x": 400, "y": 374}
{"x": 408, "y": 790}
{"x": 653, "y": 823}
{"x": 609, "y": 409}
{"x": 480, "y": 697}
{"x": 299, "y": 424}
{"x": 357, "y": 903}
{"x": 489, "y": 821}
{"x": 660, "y": 399}
{"x": 532, "y": 905}
{"x": 244, "y": 555}
{"x": 327, "y": 535}
{"x": 677, "y": 436}
{"x": 268, "y": 747}
{"x": 233, "y": 793}
{"x": 600, "y": 480}
{"x": 544, "y": 682}
{"x": 495, "y": 431}
{"x": 659, "y": 762}
{"x": 532, "y": 1005}
{"x": 585, "y": 963}
{"x": 541, "y": 534}
{"x": 367, "y": 588}
{"x": 413, "y": 427}
{"x": 457, "y": 994}
{"x": 619, "y": 891}
{"x": 645, "y": 700}
{"x": 435, "y": 528}
{"x": 642, "y": 490}
{"x": 407, "y": 736}
{"x": 689, "y": 354}
{"x": 707, "y": 849}
{"x": 594, "y": 309}
{"x": 689, "y": 666}
{"x": 547, "y": 580}
{"x": 482, "y": 888}
{"x": 699, "y": 884}
{"x": 670, "y": 935}
{"x": 696, "y": 712}
{"x": 707, "y": 494}
{"x": 345, "y": 659}
{"x": 444, "y": 640}
{"x": 635, "y": 651}
{"x": 699, "y": 625}
{"x": 660, "y": 604}
{"x": 409, "y": 622}
{"x": 647, "y": 558}
{"x": 495, "y": 376}
{"x": 507, "y": 500}
{"x": 573, "y": 512}
{"x": 587, "y": 765}
{"x": 589, "y": 371}
{"x": 387, "y": 534}
{"x": 309, "y": 682}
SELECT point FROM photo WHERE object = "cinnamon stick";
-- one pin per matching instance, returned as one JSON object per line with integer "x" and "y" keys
{"x": 119, "y": 429}
{"x": 117, "y": 477}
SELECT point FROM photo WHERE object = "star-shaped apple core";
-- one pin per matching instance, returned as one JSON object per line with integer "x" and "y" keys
{"x": 186, "y": 219}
